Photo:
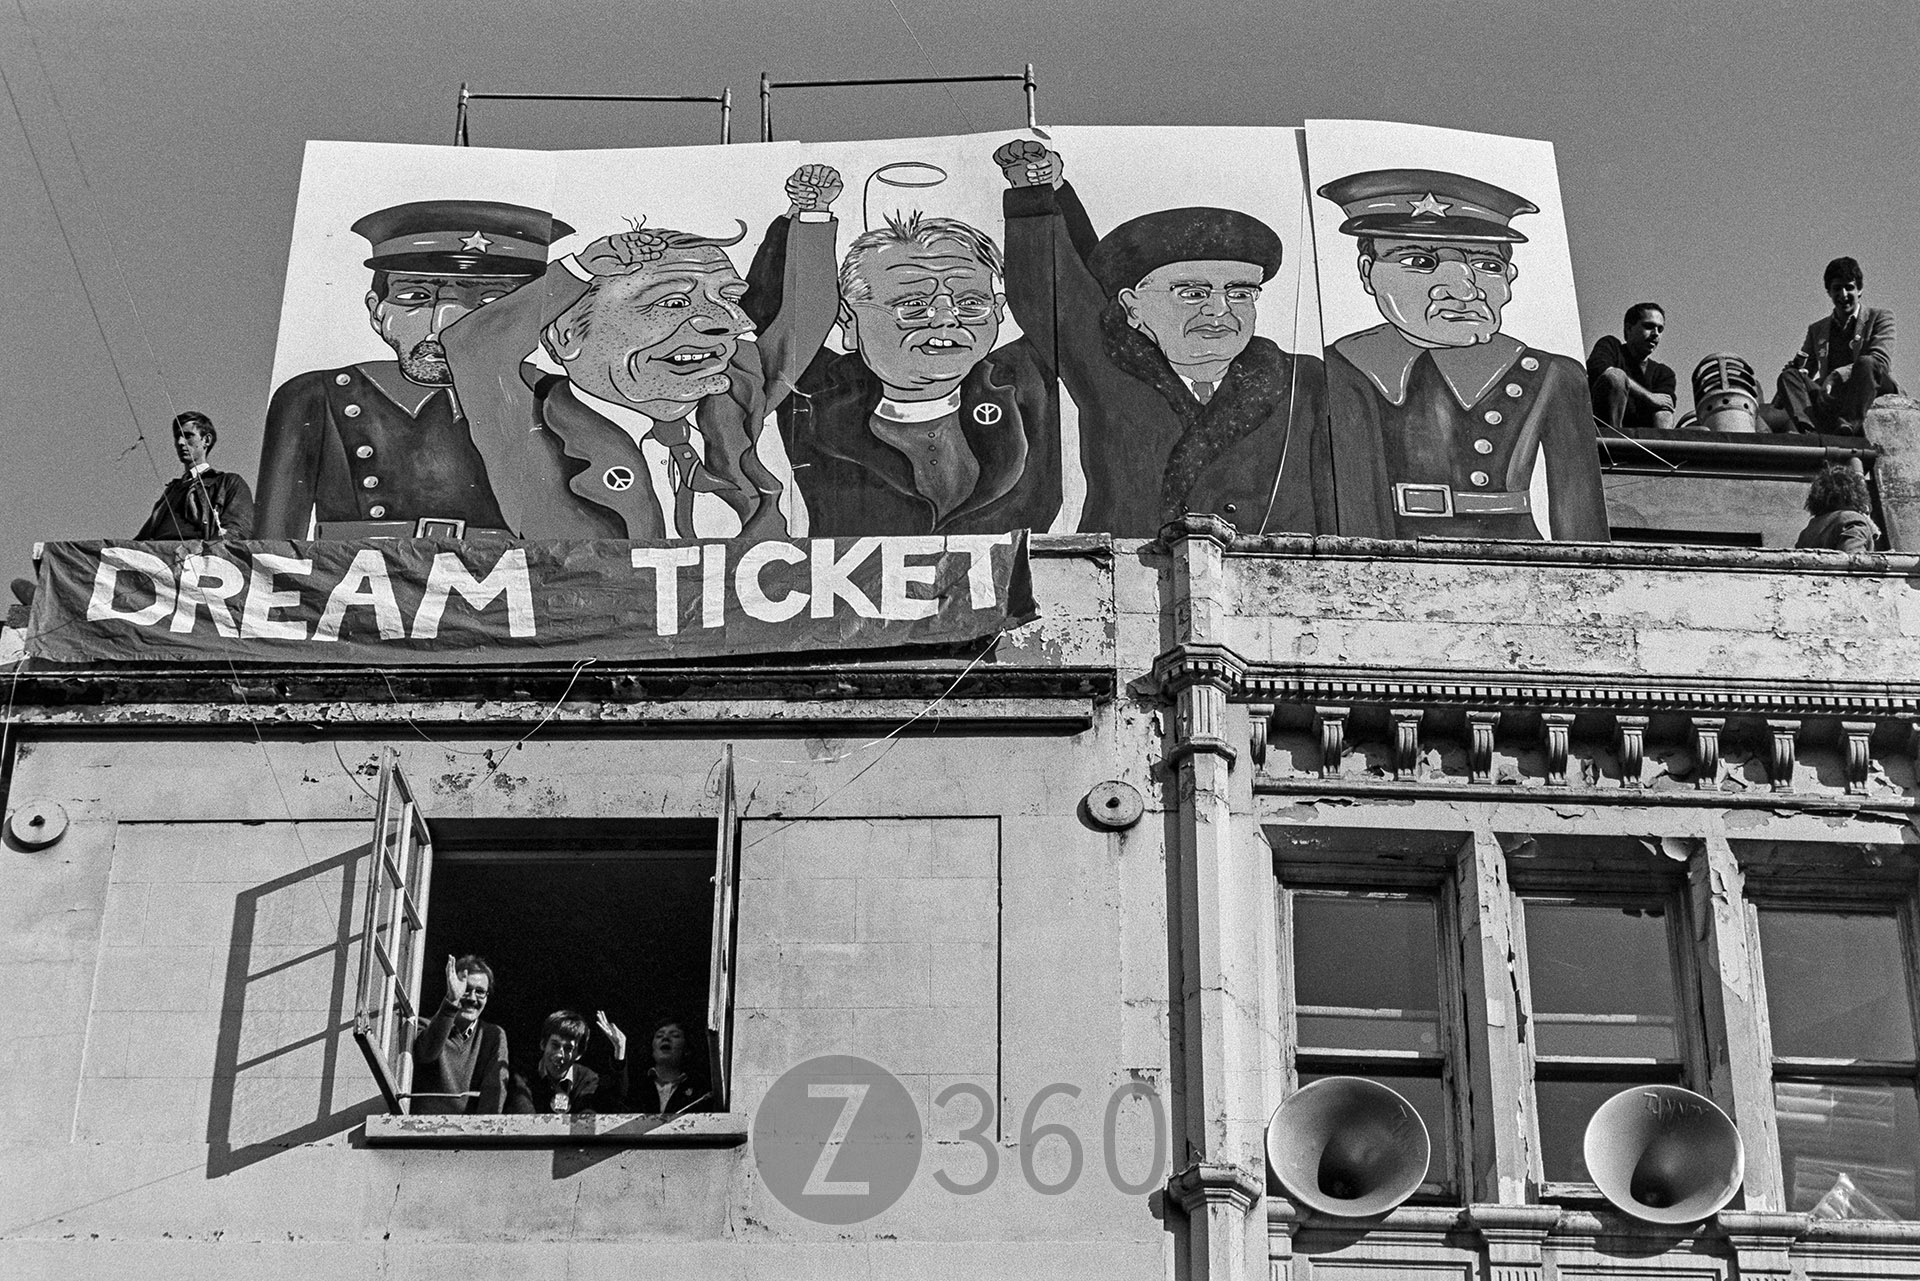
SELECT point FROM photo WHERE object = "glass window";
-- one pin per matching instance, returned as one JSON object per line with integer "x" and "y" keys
{"x": 1843, "y": 1061}
{"x": 1375, "y": 1011}
{"x": 1604, "y": 1015}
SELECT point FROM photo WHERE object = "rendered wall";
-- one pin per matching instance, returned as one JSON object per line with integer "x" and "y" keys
{"x": 187, "y": 1097}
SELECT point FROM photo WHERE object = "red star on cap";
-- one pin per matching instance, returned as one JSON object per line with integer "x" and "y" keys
{"x": 1429, "y": 207}
{"x": 476, "y": 242}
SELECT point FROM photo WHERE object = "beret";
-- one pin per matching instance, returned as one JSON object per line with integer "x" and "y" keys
{"x": 1130, "y": 251}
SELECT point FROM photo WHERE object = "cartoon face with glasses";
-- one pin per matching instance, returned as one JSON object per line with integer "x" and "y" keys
{"x": 1200, "y": 314}
{"x": 920, "y": 301}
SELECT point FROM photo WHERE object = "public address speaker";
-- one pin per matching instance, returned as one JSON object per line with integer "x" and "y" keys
{"x": 1664, "y": 1154}
{"x": 1349, "y": 1147}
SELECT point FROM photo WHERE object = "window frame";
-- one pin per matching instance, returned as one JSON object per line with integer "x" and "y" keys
{"x": 1435, "y": 886}
{"x": 1607, "y": 880}
{"x": 1765, "y": 892}
{"x": 387, "y": 1016}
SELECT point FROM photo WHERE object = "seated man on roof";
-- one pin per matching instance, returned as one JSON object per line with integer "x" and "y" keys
{"x": 1846, "y": 361}
{"x": 1629, "y": 387}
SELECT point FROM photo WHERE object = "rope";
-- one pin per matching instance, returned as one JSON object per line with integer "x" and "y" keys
{"x": 86, "y": 291}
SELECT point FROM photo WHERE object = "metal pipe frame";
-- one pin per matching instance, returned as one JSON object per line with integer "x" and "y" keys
{"x": 724, "y": 99}
{"x": 767, "y": 86}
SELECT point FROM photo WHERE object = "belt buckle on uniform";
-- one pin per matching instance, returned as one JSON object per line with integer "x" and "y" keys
{"x": 439, "y": 527}
{"x": 1411, "y": 499}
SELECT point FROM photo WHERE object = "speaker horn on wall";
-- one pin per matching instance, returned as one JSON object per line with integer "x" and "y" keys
{"x": 1347, "y": 1146}
{"x": 1664, "y": 1154}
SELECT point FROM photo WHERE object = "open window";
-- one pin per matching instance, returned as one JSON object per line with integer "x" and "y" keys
{"x": 400, "y": 869}
{"x": 633, "y": 917}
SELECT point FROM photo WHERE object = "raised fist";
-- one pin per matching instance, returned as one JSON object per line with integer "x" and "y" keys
{"x": 1027, "y": 163}
{"x": 623, "y": 253}
{"x": 813, "y": 188}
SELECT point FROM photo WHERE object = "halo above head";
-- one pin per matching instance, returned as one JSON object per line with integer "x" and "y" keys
{"x": 909, "y": 174}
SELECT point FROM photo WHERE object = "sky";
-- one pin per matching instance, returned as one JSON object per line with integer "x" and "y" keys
{"x": 1713, "y": 155}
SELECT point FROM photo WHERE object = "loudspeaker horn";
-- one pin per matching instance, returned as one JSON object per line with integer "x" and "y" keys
{"x": 1347, "y": 1146}
{"x": 1664, "y": 1154}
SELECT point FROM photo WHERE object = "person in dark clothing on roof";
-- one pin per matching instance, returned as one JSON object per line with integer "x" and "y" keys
{"x": 1840, "y": 505}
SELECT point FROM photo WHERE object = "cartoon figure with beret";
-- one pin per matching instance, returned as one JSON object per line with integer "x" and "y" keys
{"x": 375, "y": 448}
{"x": 1183, "y": 408}
{"x": 1442, "y": 425}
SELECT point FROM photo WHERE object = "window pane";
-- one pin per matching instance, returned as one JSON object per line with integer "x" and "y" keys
{"x": 1372, "y": 960}
{"x": 1565, "y": 1108}
{"x": 1602, "y": 981}
{"x": 1428, "y": 1096}
{"x": 1836, "y": 985}
{"x": 1852, "y": 1146}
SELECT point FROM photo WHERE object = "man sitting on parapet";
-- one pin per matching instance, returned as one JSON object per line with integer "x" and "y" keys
{"x": 1630, "y": 388}
{"x": 1846, "y": 360}
{"x": 459, "y": 1062}
{"x": 640, "y": 416}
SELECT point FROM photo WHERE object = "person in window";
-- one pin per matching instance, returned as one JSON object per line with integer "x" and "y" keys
{"x": 200, "y": 502}
{"x": 560, "y": 1082}
{"x": 460, "y": 1062}
{"x": 670, "y": 1087}
{"x": 1839, "y": 502}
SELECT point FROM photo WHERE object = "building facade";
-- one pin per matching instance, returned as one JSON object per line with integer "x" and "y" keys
{"x": 1508, "y": 827}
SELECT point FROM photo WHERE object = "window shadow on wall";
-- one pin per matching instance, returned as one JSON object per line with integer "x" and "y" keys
{"x": 286, "y": 1070}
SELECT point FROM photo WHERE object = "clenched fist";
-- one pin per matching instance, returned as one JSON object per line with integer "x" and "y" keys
{"x": 1027, "y": 163}
{"x": 622, "y": 254}
{"x": 813, "y": 188}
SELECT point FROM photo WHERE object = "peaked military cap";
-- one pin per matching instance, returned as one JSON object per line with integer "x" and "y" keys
{"x": 461, "y": 237}
{"x": 1426, "y": 204}
{"x": 1126, "y": 254}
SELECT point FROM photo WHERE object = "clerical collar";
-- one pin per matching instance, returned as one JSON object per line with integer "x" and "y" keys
{"x": 918, "y": 411}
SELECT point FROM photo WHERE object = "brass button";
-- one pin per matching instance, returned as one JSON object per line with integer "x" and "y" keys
{"x": 351, "y": 411}
{"x": 343, "y": 379}
{"x": 1515, "y": 391}
{"x": 365, "y": 451}
{"x": 1483, "y": 446}
{"x": 376, "y": 511}
{"x": 371, "y": 482}
{"x": 1529, "y": 364}
{"x": 1494, "y": 417}
{"x": 1479, "y": 478}
{"x": 1232, "y": 507}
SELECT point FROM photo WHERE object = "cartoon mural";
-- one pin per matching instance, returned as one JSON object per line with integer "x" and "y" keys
{"x": 924, "y": 424}
{"x": 647, "y": 399}
{"x": 967, "y": 356}
{"x": 378, "y": 445}
{"x": 1441, "y": 422}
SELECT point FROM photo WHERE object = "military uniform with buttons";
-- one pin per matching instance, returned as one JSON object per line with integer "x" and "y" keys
{"x": 1439, "y": 425}
{"x": 366, "y": 451}
{"x": 1489, "y": 441}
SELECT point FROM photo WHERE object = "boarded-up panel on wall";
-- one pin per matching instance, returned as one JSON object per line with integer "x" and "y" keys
{"x": 874, "y": 937}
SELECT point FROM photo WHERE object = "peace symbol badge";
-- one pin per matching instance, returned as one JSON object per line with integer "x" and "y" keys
{"x": 618, "y": 478}
{"x": 986, "y": 415}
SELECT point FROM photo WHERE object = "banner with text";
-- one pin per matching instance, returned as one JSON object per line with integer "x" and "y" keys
{"x": 433, "y": 601}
